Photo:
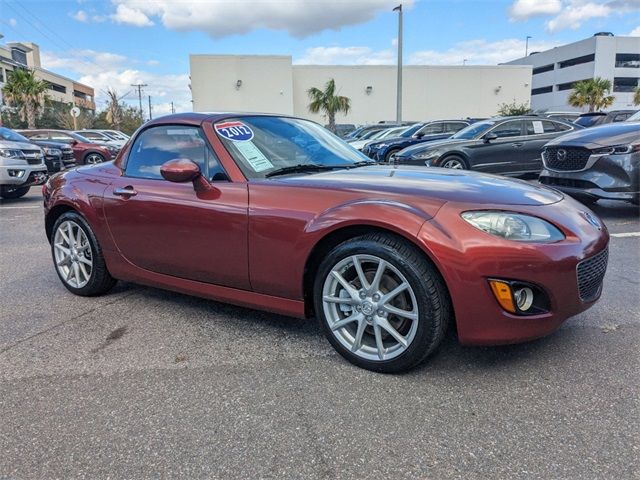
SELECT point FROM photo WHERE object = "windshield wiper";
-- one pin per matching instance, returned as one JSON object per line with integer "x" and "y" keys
{"x": 300, "y": 168}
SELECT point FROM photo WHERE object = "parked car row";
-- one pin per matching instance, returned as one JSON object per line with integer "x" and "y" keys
{"x": 27, "y": 157}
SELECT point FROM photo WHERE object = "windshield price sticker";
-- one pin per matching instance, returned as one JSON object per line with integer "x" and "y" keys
{"x": 254, "y": 157}
{"x": 537, "y": 127}
{"x": 234, "y": 131}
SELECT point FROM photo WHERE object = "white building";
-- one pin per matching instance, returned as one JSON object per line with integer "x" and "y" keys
{"x": 555, "y": 71}
{"x": 266, "y": 83}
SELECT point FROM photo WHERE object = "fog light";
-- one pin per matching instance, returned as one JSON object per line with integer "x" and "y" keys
{"x": 524, "y": 298}
{"x": 502, "y": 291}
{"x": 16, "y": 173}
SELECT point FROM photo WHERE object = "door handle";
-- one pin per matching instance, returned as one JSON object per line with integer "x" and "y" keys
{"x": 127, "y": 191}
{"x": 517, "y": 144}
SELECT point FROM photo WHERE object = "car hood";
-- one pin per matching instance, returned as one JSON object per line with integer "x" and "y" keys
{"x": 421, "y": 147}
{"x": 441, "y": 184}
{"x": 602, "y": 136}
{"x": 18, "y": 145}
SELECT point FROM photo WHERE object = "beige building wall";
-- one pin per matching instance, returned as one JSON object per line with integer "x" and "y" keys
{"x": 272, "y": 84}
{"x": 244, "y": 83}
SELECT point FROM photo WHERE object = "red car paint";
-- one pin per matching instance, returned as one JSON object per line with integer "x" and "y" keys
{"x": 251, "y": 242}
{"x": 80, "y": 148}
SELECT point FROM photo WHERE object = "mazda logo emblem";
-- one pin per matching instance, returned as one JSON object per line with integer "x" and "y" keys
{"x": 562, "y": 154}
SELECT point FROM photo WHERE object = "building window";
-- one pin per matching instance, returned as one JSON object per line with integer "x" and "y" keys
{"x": 19, "y": 56}
{"x": 577, "y": 61}
{"x": 568, "y": 85}
{"x": 625, "y": 84}
{"x": 56, "y": 88}
{"x": 546, "y": 68}
{"x": 78, "y": 94}
{"x": 538, "y": 91}
{"x": 627, "y": 60}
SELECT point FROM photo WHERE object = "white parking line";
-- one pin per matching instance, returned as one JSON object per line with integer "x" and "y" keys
{"x": 626, "y": 234}
{"x": 20, "y": 207}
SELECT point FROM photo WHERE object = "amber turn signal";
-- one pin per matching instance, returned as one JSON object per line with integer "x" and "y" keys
{"x": 502, "y": 292}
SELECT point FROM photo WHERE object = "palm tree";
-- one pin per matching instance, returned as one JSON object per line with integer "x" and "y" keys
{"x": 328, "y": 102}
{"x": 593, "y": 93}
{"x": 26, "y": 92}
{"x": 636, "y": 96}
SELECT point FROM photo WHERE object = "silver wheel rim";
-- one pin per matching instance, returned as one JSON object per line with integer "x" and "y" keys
{"x": 370, "y": 307}
{"x": 72, "y": 254}
{"x": 455, "y": 164}
{"x": 93, "y": 159}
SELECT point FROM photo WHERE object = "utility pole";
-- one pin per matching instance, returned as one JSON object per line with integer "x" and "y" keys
{"x": 150, "y": 117}
{"x": 139, "y": 87}
{"x": 526, "y": 46}
{"x": 173, "y": 110}
{"x": 399, "y": 82}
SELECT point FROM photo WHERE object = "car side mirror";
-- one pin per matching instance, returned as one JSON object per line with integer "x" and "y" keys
{"x": 180, "y": 170}
{"x": 489, "y": 136}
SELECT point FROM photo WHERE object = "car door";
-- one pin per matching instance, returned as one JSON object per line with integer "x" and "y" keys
{"x": 539, "y": 132}
{"x": 496, "y": 155}
{"x": 170, "y": 228}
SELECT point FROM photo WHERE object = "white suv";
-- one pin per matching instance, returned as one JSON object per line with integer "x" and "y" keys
{"x": 21, "y": 164}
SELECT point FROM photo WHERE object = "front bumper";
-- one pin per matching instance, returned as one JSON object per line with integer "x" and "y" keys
{"x": 23, "y": 175}
{"x": 614, "y": 177}
{"x": 467, "y": 258}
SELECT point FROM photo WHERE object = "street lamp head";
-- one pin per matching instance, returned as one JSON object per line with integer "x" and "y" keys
{"x": 398, "y": 8}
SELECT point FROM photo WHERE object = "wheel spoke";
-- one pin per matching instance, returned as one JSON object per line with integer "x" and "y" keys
{"x": 83, "y": 269}
{"x": 361, "y": 276}
{"x": 64, "y": 237}
{"x": 84, "y": 260}
{"x": 346, "y": 321}
{"x": 399, "y": 289}
{"x": 70, "y": 233}
{"x": 69, "y": 274}
{"x": 64, "y": 250}
{"x": 412, "y": 315}
{"x": 346, "y": 285}
{"x": 79, "y": 237}
{"x": 375, "y": 284}
{"x": 76, "y": 273}
{"x": 83, "y": 248}
{"x": 357, "y": 341}
{"x": 379, "y": 344}
{"x": 384, "y": 323}
{"x": 63, "y": 262}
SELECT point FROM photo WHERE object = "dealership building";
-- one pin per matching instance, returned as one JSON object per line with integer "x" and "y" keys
{"x": 268, "y": 83}
{"x": 603, "y": 55}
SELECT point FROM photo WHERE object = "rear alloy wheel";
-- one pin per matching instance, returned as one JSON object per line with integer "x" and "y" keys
{"x": 13, "y": 192}
{"x": 455, "y": 163}
{"x": 78, "y": 258}
{"x": 381, "y": 304}
{"x": 93, "y": 158}
{"x": 389, "y": 154}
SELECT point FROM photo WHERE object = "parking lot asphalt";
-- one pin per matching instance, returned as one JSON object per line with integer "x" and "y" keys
{"x": 148, "y": 383}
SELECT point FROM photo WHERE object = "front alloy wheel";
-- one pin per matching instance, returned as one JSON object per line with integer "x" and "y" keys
{"x": 454, "y": 163}
{"x": 72, "y": 253}
{"x": 381, "y": 303}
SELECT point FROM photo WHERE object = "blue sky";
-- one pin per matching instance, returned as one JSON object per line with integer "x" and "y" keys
{"x": 115, "y": 43}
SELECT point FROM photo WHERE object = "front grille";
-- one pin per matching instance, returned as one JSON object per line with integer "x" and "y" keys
{"x": 566, "y": 158}
{"x": 34, "y": 161}
{"x": 590, "y": 272}
{"x": 567, "y": 182}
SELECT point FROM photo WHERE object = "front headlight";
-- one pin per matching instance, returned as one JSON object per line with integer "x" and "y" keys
{"x": 617, "y": 149}
{"x": 513, "y": 226}
{"x": 11, "y": 153}
{"x": 427, "y": 154}
{"x": 52, "y": 151}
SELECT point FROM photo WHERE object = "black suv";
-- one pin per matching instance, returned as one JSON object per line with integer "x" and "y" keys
{"x": 592, "y": 119}
{"x": 58, "y": 155}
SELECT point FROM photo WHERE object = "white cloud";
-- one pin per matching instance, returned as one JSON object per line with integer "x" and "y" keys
{"x": 525, "y": 9}
{"x": 13, "y": 22}
{"x": 346, "y": 56}
{"x": 80, "y": 16}
{"x": 635, "y": 32}
{"x": 131, "y": 16}
{"x": 575, "y": 13}
{"x": 220, "y": 18}
{"x": 106, "y": 70}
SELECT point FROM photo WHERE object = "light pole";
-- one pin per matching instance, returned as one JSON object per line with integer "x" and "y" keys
{"x": 399, "y": 83}
{"x": 526, "y": 46}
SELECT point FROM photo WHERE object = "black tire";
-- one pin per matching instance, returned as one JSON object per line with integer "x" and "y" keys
{"x": 393, "y": 151}
{"x": 100, "y": 280}
{"x": 92, "y": 158}
{"x": 11, "y": 193}
{"x": 454, "y": 158}
{"x": 430, "y": 293}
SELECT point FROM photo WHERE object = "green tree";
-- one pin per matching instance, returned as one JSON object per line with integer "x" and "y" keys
{"x": 129, "y": 123}
{"x": 514, "y": 109}
{"x": 636, "y": 96}
{"x": 592, "y": 93}
{"x": 26, "y": 92}
{"x": 328, "y": 102}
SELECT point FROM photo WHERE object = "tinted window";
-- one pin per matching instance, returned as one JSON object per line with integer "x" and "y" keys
{"x": 454, "y": 126}
{"x": 157, "y": 145}
{"x": 537, "y": 127}
{"x": 473, "y": 131}
{"x": 621, "y": 117}
{"x": 60, "y": 136}
{"x": 589, "y": 120}
{"x": 39, "y": 136}
{"x": 432, "y": 128}
{"x": 628, "y": 60}
{"x": 508, "y": 129}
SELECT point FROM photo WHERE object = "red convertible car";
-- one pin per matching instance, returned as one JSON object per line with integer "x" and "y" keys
{"x": 276, "y": 213}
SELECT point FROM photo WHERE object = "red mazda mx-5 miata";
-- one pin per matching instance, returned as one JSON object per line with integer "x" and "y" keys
{"x": 276, "y": 213}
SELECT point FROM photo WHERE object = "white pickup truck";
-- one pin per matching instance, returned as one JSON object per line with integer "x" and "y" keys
{"x": 21, "y": 164}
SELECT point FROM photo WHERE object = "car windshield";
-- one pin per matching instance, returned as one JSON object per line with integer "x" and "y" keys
{"x": 588, "y": 120}
{"x": 262, "y": 145}
{"x": 411, "y": 130}
{"x": 371, "y": 134}
{"x": 635, "y": 117}
{"x": 11, "y": 136}
{"x": 473, "y": 131}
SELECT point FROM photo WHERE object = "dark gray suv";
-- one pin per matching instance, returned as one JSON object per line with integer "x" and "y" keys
{"x": 596, "y": 163}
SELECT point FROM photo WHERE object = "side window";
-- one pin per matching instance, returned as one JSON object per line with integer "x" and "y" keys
{"x": 508, "y": 129}
{"x": 60, "y": 136}
{"x": 538, "y": 127}
{"x": 40, "y": 136}
{"x": 621, "y": 117}
{"x": 561, "y": 127}
{"x": 453, "y": 127}
{"x": 157, "y": 145}
{"x": 431, "y": 129}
